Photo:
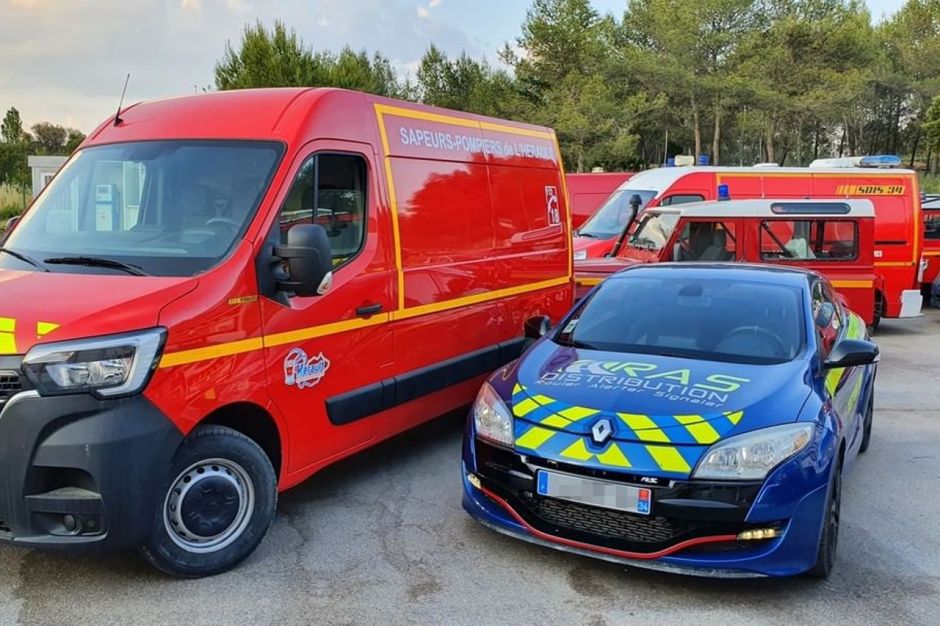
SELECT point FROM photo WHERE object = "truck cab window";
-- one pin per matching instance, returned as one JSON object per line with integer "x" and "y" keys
{"x": 706, "y": 241}
{"x": 809, "y": 240}
{"x": 330, "y": 190}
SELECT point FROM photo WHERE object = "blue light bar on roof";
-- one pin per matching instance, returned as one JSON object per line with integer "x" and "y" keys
{"x": 880, "y": 160}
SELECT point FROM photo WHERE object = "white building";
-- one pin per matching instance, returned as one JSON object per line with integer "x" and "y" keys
{"x": 43, "y": 168}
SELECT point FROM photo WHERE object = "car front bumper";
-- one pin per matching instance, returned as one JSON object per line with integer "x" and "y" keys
{"x": 77, "y": 472}
{"x": 704, "y": 543}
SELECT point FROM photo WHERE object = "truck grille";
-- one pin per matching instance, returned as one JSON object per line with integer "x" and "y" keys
{"x": 605, "y": 523}
{"x": 10, "y": 383}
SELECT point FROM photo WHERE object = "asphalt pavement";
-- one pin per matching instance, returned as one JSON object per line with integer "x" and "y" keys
{"x": 381, "y": 538}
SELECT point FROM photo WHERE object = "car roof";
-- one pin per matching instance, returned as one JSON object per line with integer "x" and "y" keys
{"x": 769, "y": 274}
{"x": 763, "y": 207}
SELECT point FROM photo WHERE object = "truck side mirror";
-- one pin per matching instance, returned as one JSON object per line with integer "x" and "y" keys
{"x": 537, "y": 327}
{"x": 852, "y": 352}
{"x": 309, "y": 260}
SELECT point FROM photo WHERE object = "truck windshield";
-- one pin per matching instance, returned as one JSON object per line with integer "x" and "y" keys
{"x": 163, "y": 208}
{"x": 615, "y": 214}
{"x": 686, "y": 315}
{"x": 654, "y": 231}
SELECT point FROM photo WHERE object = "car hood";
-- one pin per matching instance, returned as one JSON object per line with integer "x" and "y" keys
{"x": 38, "y": 307}
{"x": 663, "y": 412}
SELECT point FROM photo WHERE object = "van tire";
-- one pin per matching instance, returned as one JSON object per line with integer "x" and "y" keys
{"x": 232, "y": 510}
{"x": 879, "y": 312}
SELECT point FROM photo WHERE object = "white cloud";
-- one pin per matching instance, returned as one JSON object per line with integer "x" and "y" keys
{"x": 434, "y": 3}
{"x": 423, "y": 13}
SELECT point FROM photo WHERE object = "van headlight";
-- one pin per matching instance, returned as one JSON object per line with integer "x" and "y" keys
{"x": 491, "y": 417}
{"x": 112, "y": 366}
{"x": 752, "y": 455}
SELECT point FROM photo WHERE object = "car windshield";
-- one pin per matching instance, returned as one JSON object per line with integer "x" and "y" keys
{"x": 686, "y": 315}
{"x": 615, "y": 214}
{"x": 654, "y": 231}
{"x": 164, "y": 208}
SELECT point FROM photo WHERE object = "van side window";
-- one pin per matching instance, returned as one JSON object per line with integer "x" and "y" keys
{"x": 330, "y": 190}
{"x": 681, "y": 199}
{"x": 804, "y": 240}
{"x": 707, "y": 241}
{"x": 932, "y": 223}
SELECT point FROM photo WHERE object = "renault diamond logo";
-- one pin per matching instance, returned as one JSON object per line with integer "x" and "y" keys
{"x": 601, "y": 431}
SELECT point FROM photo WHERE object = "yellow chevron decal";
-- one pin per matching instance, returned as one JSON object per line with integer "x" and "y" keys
{"x": 576, "y": 413}
{"x": 644, "y": 427}
{"x": 668, "y": 459}
{"x": 7, "y": 338}
{"x": 703, "y": 432}
{"x": 734, "y": 416}
{"x": 577, "y": 451}
{"x": 556, "y": 421}
{"x": 613, "y": 456}
{"x": 534, "y": 437}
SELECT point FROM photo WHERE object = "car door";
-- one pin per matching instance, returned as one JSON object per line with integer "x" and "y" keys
{"x": 844, "y": 384}
{"x": 321, "y": 351}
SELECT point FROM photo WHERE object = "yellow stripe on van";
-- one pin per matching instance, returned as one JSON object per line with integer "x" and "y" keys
{"x": 588, "y": 282}
{"x": 7, "y": 338}
{"x": 211, "y": 352}
{"x": 846, "y": 284}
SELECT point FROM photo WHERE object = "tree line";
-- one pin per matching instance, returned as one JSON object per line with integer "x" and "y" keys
{"x": 741, "y": 81}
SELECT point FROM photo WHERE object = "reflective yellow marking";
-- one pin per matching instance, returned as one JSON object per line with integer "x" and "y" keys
{"x": 613, "y": 456}
{"x": 212, "y": 352}
{"x": 576, "y": 413}
{"x": 303, "y": 334}
{"x": 7, "y": 338}
{"x": 688, "y": 420}
{"x": 534, "y": 437}
{"x": 516, "y": 389}
{"x": 645, "y": 428}
{"x": 734, "y": 416}
{"x": 588, "y": 282}
{"x": 668, "y": 459}
{"x": 521, "y": 409}
{"x": 577, "y": 451}
{"x": 242, "y": 300}
{"x": 44, "y": 328}
{"x": 845, "y": 284}
{"x": 703, "y": 432}
{"x": 832, "y": 380}
{"x": 556, "y": 421}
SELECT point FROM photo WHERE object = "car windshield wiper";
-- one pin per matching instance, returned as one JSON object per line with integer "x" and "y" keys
{"x": 91, "y": 261}
{"x": 574, "y": 343}
{"x": 643, "y": 243}
{"x": 24, "y": 258}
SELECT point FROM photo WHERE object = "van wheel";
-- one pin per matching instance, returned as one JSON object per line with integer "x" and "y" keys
{"x": 219, "y": 502}
{"x": 867, "y": 423}
{"x": 829, "y": 538}
{"x": 879, "y": 312}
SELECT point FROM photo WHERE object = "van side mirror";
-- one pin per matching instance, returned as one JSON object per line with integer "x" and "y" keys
{"x": 537, "y": 327}
{"x": 635, "y": 202}
{"x": 852, "y": 352}
{"x": 8, "y": 228}
{"x": 309, "y": 260}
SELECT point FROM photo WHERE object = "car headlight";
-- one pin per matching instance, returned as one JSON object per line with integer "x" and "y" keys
{"x": 580, "y": 255}
{"x": 116, "y": 365}
{"x": 491, "y": 417}
{"x": 752, "y": 455}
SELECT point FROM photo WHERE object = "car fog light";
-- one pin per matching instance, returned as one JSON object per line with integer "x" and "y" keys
{"x": 473, "y": 480}
{"x": 758, "y": 534}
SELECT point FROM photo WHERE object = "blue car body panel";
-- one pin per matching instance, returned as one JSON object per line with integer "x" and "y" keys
{"x": 665, "y": 412}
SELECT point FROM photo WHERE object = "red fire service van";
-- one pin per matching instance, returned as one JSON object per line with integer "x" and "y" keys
{"x": 898, "y": 243}
{"x": 589, "y": 190}
{"x": 831, "y": 237}
{"x": 219, "y": 295}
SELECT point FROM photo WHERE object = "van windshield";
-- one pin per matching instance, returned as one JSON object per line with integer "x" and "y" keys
{"x": 615, "y": 214}
{"x": 163, "y": 208}
{"x": 654, "y": 231}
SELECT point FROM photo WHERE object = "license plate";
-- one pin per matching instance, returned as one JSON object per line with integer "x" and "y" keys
{"x": 601, "y": 493}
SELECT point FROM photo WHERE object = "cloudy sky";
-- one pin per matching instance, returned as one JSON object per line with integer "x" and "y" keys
{"x": 65, "y": 60}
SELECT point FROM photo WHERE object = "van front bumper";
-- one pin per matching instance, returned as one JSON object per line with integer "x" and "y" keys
{"x": 77, "y": 472}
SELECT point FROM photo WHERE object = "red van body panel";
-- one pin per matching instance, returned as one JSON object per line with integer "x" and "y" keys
{"x": 588, "y": 190}
{"x": 931, "y": 243}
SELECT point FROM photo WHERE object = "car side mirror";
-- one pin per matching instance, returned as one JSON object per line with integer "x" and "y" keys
{"x": 537, "y": 327}
{"x": 852, "y": 352}
{"x": 309, "y": 260}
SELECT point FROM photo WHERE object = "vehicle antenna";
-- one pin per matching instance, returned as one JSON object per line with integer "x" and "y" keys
{"x": 117, "y": 116}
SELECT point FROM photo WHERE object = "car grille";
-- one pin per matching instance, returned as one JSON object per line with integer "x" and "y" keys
{"x": 605, "y": 523}
{"x": 10, "y": 383}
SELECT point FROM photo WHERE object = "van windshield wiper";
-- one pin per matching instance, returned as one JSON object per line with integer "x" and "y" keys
{"x": 24, "y": 258}
{"x": 582, "y": 233}
{"x": 92, "y": 261}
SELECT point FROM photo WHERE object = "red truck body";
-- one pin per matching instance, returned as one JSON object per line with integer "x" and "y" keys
{"x": 587, "y": 191}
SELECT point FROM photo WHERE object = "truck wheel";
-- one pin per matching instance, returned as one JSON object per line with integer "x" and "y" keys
{"x": 829, "y": 538}
{"x": 866, "y": 424}
{"x": 879, "y": 312}
{"x": 218, "y": 504}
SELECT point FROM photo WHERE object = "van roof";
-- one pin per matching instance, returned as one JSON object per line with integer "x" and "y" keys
{"x": 661, "y": 178}
{"x": 276, "y": 113}
{"x": 770, "y": 208}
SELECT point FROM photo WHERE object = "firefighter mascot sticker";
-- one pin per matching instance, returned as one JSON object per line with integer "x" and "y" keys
{"x": 303, "y": 371}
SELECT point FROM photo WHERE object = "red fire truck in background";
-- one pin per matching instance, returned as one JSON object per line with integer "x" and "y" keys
{"x": 589, "y": 190}
{"x": 931, "y": 212}
{"x": 898, "y": 241}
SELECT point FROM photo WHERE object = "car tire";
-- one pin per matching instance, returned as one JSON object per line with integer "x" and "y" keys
{"x": 867, "y": 424}
{"x": 209, "y": 530}
{"x": 829, "y": 537}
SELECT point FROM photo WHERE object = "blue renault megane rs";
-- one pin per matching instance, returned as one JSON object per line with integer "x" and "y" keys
{"x": 695, "y": 418}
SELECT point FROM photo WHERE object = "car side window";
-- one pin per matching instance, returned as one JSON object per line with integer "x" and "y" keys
{"x": 826, "y": 317}
{"x": 330, "y": 190}
{"x": 706, "y": 241}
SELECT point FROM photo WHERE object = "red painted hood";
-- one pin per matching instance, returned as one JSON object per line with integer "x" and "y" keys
{"x": 41, "y": 307}
{"x": 601, "y": 267}
{"x": 595, "y": 247}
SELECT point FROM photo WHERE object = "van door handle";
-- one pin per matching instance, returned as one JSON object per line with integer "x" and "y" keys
{"x": 366, "y": 311}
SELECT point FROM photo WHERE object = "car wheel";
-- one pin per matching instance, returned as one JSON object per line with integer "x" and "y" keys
{"x": 217, "y": 505}
{"x": 866, "y": 424}
{"x": 829, "y": 538}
